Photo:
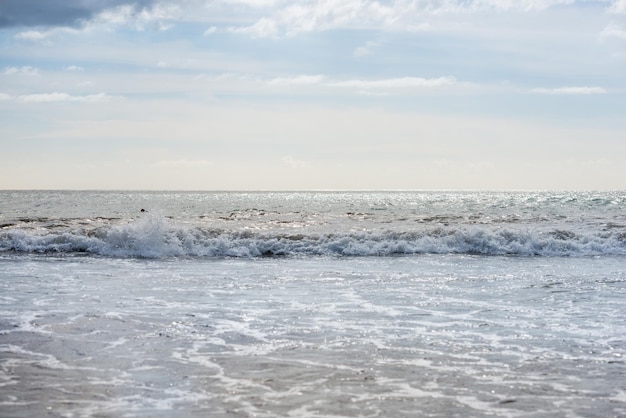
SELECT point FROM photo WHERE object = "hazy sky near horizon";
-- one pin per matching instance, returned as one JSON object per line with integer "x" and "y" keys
{"x": 327, "y": 94}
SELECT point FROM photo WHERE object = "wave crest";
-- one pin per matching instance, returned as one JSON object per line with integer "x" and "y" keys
{"x": 156, "y": 237}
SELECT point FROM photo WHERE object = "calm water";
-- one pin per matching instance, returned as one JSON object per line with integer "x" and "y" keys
{"x": 312, "y": 304}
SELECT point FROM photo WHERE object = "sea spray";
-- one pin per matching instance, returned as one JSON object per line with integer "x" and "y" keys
{"x": 154, "y": 236}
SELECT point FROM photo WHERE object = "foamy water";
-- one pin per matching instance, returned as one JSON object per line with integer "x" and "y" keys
{"x": 304, "y": 224}
{"x": 312, "y": 304}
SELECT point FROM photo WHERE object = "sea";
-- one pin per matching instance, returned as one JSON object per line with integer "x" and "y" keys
{"x": 312, "y": 304}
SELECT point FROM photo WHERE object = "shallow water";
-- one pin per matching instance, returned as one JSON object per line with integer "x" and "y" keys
{"x": 420, "y": 335}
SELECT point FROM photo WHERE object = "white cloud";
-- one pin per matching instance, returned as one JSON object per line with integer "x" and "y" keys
{"x": 26, "y": 70}
{"x": 39, "y": 36}
{"x": 45, "y": 97}
{"x": 571, "y": 90}
{"x": 321, "y": 15}
{"x": 263, "y": 28}
{"x": 31, "y": 35}
{"x": 210, "y": 31}
{"x": 74, "y": 68}
{"x": 252, "y": 3}
{"x": 523, "y": 5}
{"x": 402, "y": 82}
{"x": 290, "y": 18}
{"x": 273, "y": 18}
{"x": 159, "y": 17}
{"x": 613, "y": 31}
{"x": 618, "y": 6}
{"x": 119, "y": 15}
{"x": 161, "y": 26}
{"x": 363, "y": 86}
{"x": 297, "y": 80}
{"x": 4, "y": 97}
{"x": 56, "y": 97}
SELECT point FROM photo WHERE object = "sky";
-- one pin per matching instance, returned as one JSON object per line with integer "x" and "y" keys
{"x": 310, "y": 95}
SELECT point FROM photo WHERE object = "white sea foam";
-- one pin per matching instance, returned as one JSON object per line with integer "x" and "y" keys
{"x": 313, "y": 224}
{"x": 157, "y": 237}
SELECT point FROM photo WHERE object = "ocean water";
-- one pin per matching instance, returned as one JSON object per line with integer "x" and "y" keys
{"x": 312, "y": 304}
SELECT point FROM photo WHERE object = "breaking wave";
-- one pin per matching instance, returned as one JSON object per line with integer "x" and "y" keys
{"x": 155, "y": 237}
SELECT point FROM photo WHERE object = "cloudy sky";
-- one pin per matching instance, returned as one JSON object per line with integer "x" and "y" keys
{"x": 326, "y": 94}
